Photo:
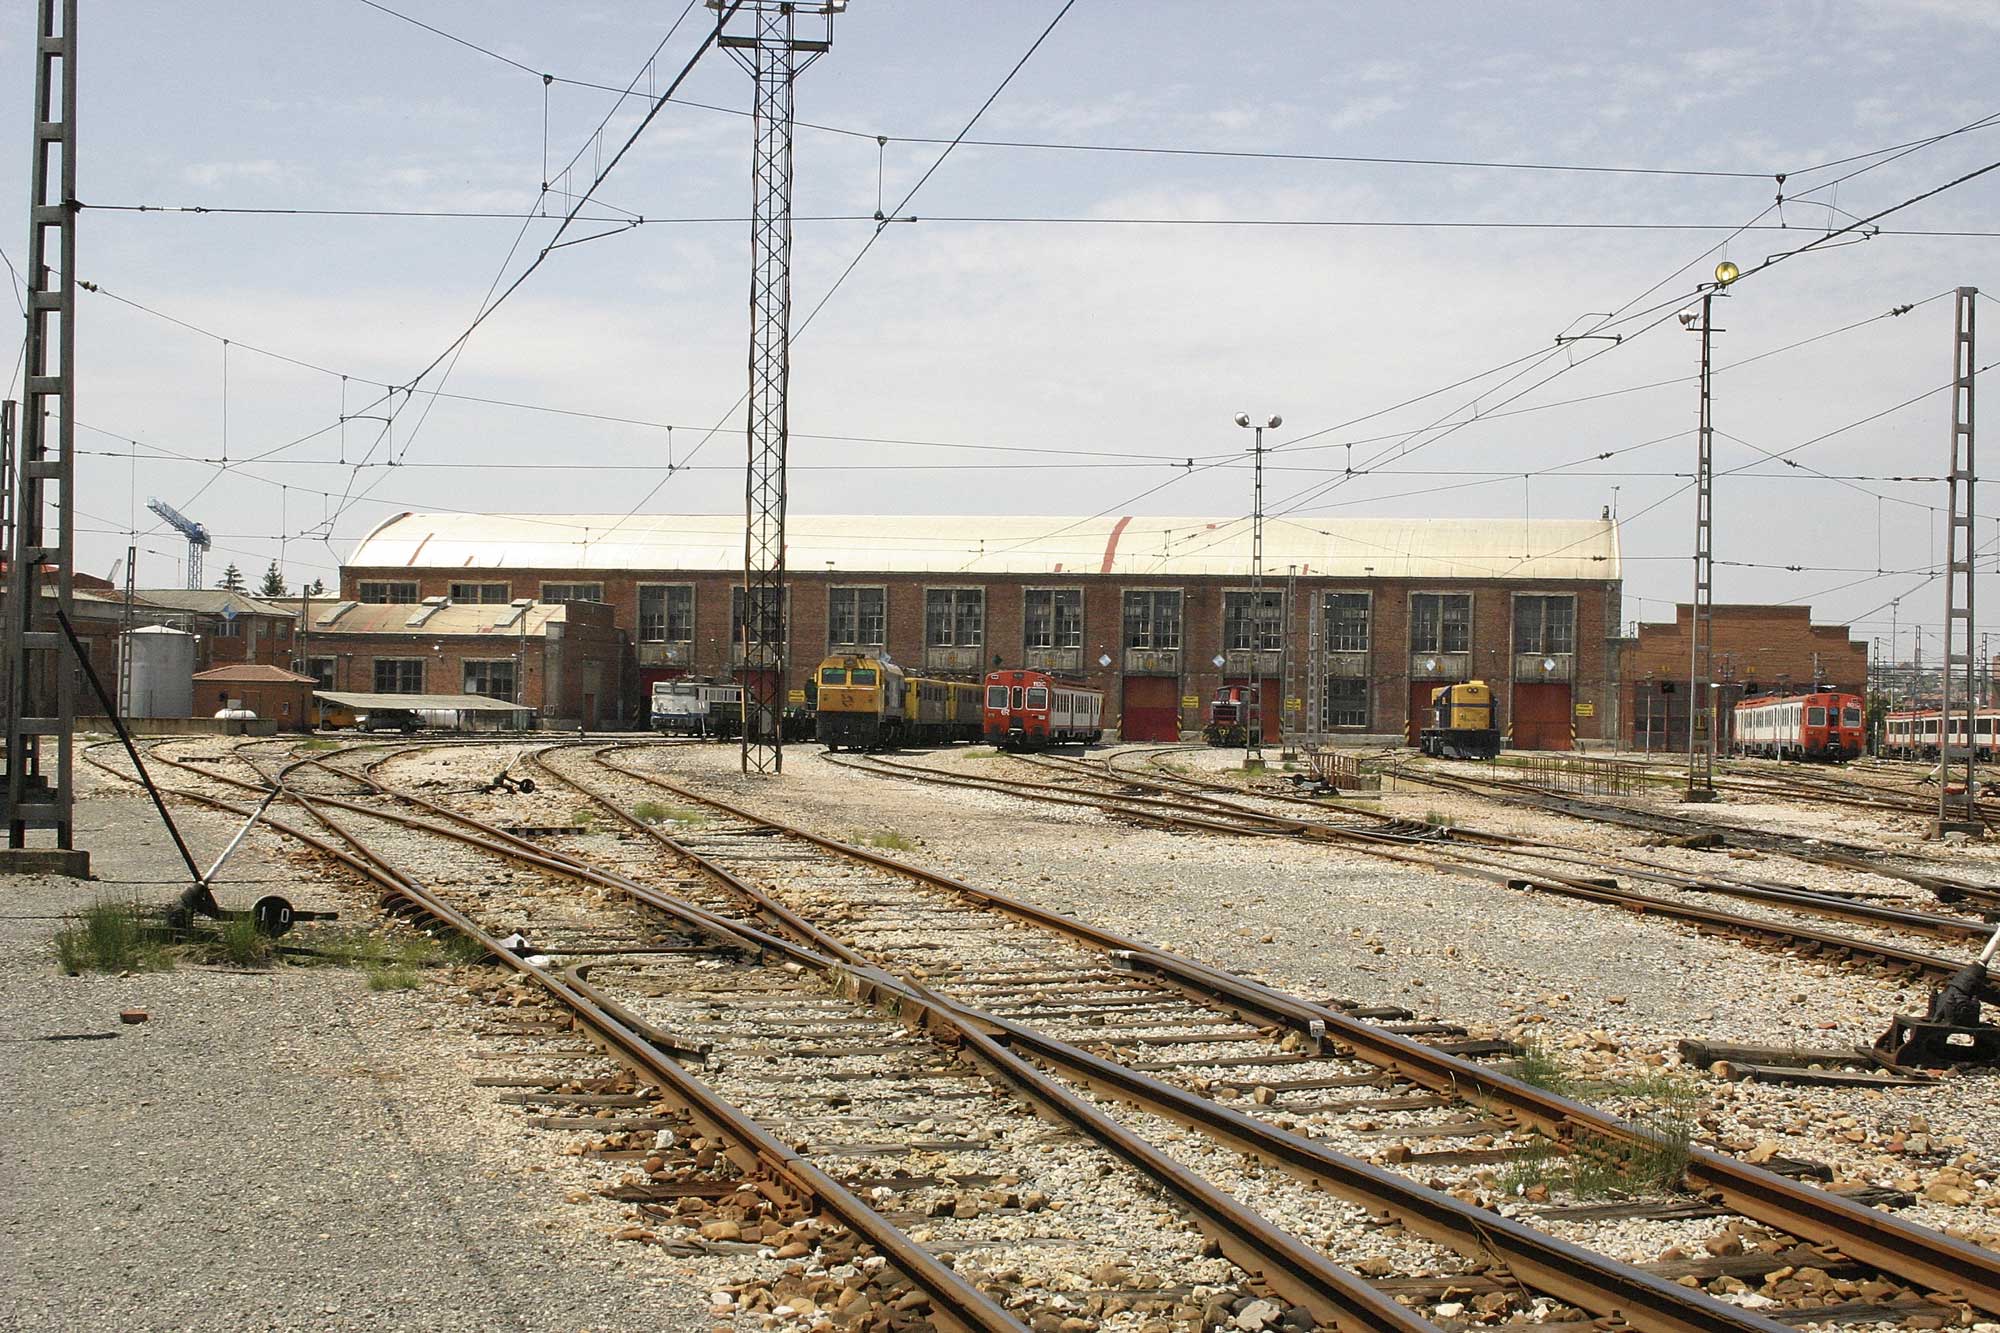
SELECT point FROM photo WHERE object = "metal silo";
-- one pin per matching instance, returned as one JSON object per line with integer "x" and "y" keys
{"x": 162, "y": 672}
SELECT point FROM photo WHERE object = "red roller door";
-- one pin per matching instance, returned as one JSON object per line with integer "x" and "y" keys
{"x": 1152, "y": 709}
{"x": 1420, "y": 707}
{"x": 1541, "y": 717}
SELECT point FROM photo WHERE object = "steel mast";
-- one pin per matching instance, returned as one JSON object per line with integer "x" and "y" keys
{"x": 1958, "y": 567}
{"x": 774, "y": 40}
{"x": 40, "y": 675}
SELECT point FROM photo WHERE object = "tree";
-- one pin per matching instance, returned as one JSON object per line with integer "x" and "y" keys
{"x": 316, "y": 589}
{"x": 274, "y": 583}
{"x": 232, "y": 579}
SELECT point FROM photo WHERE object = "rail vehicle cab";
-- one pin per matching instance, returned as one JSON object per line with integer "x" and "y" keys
{"x": 1230, "y": 713}
{"x": 1029, "y": 709}
{"x": 1460, "y": 723}
{"x": 861, "y": 702}
{"x": 1821, "y": 725}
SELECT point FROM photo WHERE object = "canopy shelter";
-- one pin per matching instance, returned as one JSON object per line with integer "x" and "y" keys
{"x": 462, "y": 711}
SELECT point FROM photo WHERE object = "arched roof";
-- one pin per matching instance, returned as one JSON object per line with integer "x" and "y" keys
{"x": 1129, "y": 547}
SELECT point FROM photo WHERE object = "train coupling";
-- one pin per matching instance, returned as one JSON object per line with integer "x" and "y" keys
{"x": 505, "y": 781}
{"x": 1952, "y": 1031}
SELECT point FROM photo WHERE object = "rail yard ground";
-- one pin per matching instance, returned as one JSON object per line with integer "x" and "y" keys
{"x": 395, "y": 1135}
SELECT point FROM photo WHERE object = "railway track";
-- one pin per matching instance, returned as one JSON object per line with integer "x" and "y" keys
{"x": 1515, "y": 863}
{"x": 1948, "y": 888}
{"x": 1130, "y": 1000}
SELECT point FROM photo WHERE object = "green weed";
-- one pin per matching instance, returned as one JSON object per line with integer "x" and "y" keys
{"x": 1597, "y": 1166}
{"x": 889, "y": 840}
{"x": 239, "y": 943}
{"x": 393, "y": 978}
{"x": 1540, "y": 1067}
{"x": 111, "y": 935}
{"x": 318, "y": 743}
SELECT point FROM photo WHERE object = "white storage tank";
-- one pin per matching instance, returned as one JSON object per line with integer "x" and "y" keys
{"x": 162, "y": 672}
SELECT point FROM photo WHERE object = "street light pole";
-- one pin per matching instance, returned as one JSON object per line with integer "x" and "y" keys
{"x": 1253, "y": 750}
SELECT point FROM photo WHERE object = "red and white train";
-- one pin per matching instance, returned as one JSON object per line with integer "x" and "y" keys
{"x": 1912, "y": 733}
{"x": 1032, "y": 710}
{"x": 1802, "y": 726}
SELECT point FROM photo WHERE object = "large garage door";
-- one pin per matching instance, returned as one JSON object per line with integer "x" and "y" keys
{"x": 1420, "y": 707}
{"x": 1152, "y": 709}
{"x": 1541, "y": 717}
{"x": 1274, "y": 690}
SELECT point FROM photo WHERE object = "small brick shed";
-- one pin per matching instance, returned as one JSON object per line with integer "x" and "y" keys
{"x": 268, "y": 691}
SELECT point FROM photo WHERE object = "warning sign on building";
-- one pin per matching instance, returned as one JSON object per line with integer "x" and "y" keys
{"x": 1190, "y": 701}
{"x": 1586, "y": 710}
{"x": 795, "y": 697}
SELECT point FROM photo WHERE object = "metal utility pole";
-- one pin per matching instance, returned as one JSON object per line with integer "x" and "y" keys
{"x": 1701, "y": 726}
{"x": 774, "y": 40}
{"x": 1253, "y": 748}
{"x": 1286, "y": 665}
{"x": 41, "y": 678}
{"x": 1961, "y": 815}
{"x": 124, "y": 695}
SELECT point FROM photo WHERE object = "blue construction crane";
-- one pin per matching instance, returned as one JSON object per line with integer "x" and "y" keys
{"x": 196, "y": 534}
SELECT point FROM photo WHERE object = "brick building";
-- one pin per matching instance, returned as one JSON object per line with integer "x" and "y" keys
{"x": 565, "y": 661}
{"x": 229, "y": 627}
{"x": 1756, "y": 649}
{"x": 268, "y": 691}
{"x": 1366, "y": 616}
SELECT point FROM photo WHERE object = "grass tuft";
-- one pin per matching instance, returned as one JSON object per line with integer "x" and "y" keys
{"x": 394, "y": 978}
{"x": 1600, "y": 1167}
{"x": 111, "y": 935}
{"x": 318, "y": 743}
{"x": 239, "y": 943}
{"x": 656, "y": 812}
{"x": 889, "y": 840}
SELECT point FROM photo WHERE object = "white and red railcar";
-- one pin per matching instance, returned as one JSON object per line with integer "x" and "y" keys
{"x": 1912, "y": 733}
{"x": 1032, "y": 710}
{"x": 1801, "y": 726}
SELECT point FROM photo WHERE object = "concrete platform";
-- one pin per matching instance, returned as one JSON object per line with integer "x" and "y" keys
{"x": 71, "y": 861}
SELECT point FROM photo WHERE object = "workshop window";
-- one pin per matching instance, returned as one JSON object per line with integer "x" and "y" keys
{"x": 399, "y": 675}
{"x": 384, "y": 593}
{"x": 1052, "y": 618}
{"x": 572, "y": 592}
{"x": 1153, "y": 618}
{"x": 493, "y": 678}
{"x": 954, "y": 617}
{"x": 1441, "y": 622}
{"x": 666, "y": 613}
{"x": 1345, "y": 702}
{"x": 1346, "y": 616}
{"x": 1247, "y": 624}
{"x": 857, "y": 617}
{"x": 1545, "y": 624}
{"x": 481, "y": 594}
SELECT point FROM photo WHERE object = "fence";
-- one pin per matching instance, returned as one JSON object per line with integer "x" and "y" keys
{"x": 1341, "y": 770}
{"x": 1582, "y": 775}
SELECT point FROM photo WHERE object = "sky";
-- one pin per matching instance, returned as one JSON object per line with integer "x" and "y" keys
{"x": 1058, "y": 328}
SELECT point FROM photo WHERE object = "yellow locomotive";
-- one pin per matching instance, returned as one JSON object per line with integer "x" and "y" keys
{"x": 1459, "y": 723}
{"x": 869, "y": 703}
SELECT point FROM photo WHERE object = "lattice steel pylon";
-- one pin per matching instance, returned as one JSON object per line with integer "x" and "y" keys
{"x": 40, "y": 676}
{"x": 1701, "y": 622}
{"x": 764, "y": 36}
{"x": 1958, "y": 623}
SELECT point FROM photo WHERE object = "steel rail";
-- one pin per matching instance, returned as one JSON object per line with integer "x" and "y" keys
{"x": 1302, "y": 1275}
{"x": 1917, "y": 1254}
{"x": 1540, "y": 1261}
{"x": 760, "y": 1154}
{"x": 1461, "y": 860}
{"x": 1561, "y": 1270}
{"x": 1797, "y": 899}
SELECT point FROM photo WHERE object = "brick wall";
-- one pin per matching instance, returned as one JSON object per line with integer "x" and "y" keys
{"x": 1595, "y": 669}
{"x": 1773, "y": 648}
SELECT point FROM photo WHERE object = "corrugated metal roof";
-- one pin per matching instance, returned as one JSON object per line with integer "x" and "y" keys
{"x": 207, "y": 601}
{"x": 422, "y": 703}
{"x": 460, "y": 618}
{"x": 253, "y": 672}
{"x": 972, "y": 545}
